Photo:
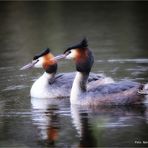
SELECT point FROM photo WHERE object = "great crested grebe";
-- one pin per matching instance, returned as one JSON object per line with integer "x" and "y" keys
{"x": 117, "y": 93}
{"x": 50, "y": 85}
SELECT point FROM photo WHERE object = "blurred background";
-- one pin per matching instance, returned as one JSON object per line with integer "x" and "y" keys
{"x": 117, "y": 34}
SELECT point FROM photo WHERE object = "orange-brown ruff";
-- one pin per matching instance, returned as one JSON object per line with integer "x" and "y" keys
{"x": 47, "y": 62}
{"x": 81, "y": 55}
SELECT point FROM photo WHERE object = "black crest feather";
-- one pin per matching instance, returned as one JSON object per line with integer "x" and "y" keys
{"x": 83, "y": 44}
{"x": 46, "y": 51}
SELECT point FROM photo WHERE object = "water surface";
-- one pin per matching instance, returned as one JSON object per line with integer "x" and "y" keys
{"x": 117, "y": 34}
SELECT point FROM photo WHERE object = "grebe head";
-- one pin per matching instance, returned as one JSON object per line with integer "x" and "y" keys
{"x": 81, "y": 54}
{"x": 43, "y": 60}
{"x": 78, "y": 51}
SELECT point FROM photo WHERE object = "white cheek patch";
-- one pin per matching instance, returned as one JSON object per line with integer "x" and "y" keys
{"x": 146, "y": 86}
{"x": 72, "y": 55}
{"x": 39, "y": 64}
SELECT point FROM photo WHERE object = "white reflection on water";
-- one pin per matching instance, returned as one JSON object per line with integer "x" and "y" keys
{"x": 125, "y": 60}
{"x": 14, "y": 113}
{"x": 15, "y": 87}
{"x": 129, "y": 60}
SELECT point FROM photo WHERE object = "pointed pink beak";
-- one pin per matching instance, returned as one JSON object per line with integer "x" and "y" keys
{"x": 58, "y": 57}
{"x": 28, "y": 66}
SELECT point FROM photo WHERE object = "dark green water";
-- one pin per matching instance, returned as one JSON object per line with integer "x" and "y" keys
{"x": 117, "y": 33}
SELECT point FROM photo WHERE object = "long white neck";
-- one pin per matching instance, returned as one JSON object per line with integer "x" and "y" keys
{"x": 41, "y": 85}
{"x": 78, "y": 87}
{"x": 47, "y": 78}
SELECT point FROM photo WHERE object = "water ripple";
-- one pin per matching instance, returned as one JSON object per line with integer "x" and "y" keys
{"x": 15, "y": 87}
{"x": 129, "y": 60}
{"x": 125, "y": 60}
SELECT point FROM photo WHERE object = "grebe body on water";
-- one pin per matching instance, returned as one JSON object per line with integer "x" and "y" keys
{"x": 117, "y": 93}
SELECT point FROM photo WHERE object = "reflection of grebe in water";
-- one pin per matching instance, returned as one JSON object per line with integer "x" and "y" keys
{"x": 50, "y": 85}
{"x": 117, "y": 93}
{"x": 46, "y": 120}
{"x": 103, "y": 126}
{"x": 81, "y": 123}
